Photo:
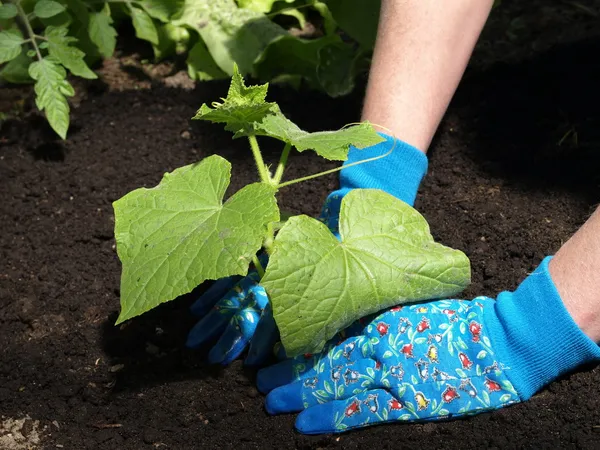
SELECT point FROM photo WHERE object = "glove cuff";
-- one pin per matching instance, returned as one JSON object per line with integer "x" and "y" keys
{"x": 399, "y": 173}
{"x": 534, "y": 334}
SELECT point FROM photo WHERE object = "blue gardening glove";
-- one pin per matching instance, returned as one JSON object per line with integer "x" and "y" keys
{"x": 437, "y": 360}
{"x": 399, "y": 174}
{"x": 237, "y": 309}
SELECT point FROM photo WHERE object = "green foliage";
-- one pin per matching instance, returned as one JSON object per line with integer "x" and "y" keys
{"x": 386, "y": 256}
{"x": 173, "y": 237}
{"x": 216, "y": 35}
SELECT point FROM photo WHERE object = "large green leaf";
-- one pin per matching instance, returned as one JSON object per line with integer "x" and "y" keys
{"x": 8, "y": 11}
{"x": 201, "y": 65}
{"x": 143, "y": 25}
{"x": 45, "y": 9}
{"x": 176, "y": 235}
{"x": 10, "y": 44}
{"x": 243, "y": 108}
{"x": 71, "y": 57}
{"x": 358, "y": 18}
{"x": 102, "y": 33}
{"x": 332, "y": 145}
{"x": 231, "y": 34}
{"x": 161, "y": 9}
{"x": 51, "y": 87}
{"x": 386, "y": 256}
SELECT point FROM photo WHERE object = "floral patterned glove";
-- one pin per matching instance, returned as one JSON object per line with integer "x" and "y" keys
{"x": 436, "y": 360}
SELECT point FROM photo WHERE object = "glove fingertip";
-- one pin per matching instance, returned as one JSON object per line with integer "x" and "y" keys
{"x": 285, "y": 399}
{"x": 316, "y": 420}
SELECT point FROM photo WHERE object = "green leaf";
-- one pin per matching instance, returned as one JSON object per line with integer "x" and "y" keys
{"x": 171, "y": 40}
{"x": 358, "y": 18}
{"x": 102, "y": 33}
{"x": 263, "y": 6}
{"x": 332, "y": 145}
{"x": 337, "y": 69}
{"x": 17, "y": 70}
{"x": 8, "y": 11}
{"x": 70, "y": 57}
{"x": 231, "y": 34}
{"x": 162, "y": 10}
{"x": 51, "y": 87}
{"x": 289, "y": 55}
{"x": 143, "y": 25}
{"x": 10, "y": 44}
{"x": 178, "y": 234}
{"x": 482, "y": 354}
{"x": 386, "y": 256}
{"x": 243, "y": 108}
{"x": 504, "y": 398}
{"x": 202, "y": 66}
{"x": 461, "y": 373}
{"x": 486, "y": 397}
{"x": 47, "y": 8}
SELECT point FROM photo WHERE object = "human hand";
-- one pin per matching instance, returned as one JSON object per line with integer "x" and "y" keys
{"x": 436, "y": 360}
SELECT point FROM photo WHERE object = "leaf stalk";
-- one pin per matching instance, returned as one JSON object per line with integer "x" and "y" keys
{"x": 31, "y": 34}
{"x": 282, "y": 163}
{"x": 263, "y": 172}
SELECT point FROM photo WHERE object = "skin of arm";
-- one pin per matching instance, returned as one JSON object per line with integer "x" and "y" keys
{"x": 422, "y": 50}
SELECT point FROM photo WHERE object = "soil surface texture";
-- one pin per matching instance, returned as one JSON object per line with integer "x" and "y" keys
{"x": 514, "y": 171}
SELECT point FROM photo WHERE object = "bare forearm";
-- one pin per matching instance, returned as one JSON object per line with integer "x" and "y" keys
{"x": 422, "y": 50}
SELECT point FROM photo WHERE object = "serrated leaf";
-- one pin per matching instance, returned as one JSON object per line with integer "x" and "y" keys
{"x": 174, "y": 236}
{"x": 17, "y": 70}
{"x": 161, "y": 9}
{"x": 202, "y": 66}
{"x": 47, "y": 8}
{"x": 50, "y": 89}
{"x": 385, "y": 256}
{"x": 243, "y": 108}
{"x": 102, "y": 33}
{"x": 231, "y": 34}
{"x": 332, "y": 145}
{"x": 71, "y": 57}
{"x": 8, "y": 11}
{"x": 143, "y": 25}
{"x": 10, "y": 44}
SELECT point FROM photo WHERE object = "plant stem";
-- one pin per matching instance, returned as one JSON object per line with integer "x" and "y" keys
{"x": 337, "y": 169}
{"x": 30, "y": 32}
{"x": 268, "y": 242}
{"x": 263, "y": 172}
{"x": 282, "y": 163}
{"x": 258, "y": 266}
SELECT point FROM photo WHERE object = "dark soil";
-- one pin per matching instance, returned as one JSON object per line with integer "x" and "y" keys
{"x": 505, "y": 185}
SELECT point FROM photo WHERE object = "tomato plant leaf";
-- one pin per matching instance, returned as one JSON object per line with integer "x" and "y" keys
{"x": 70, "y": 57}
{"x": 231, "y": 34}
{"x": 174, "y": 236}
{"x": 8, "y": 11}
{"x": 51, "y": 87}
{"x": 17, "y": 70}
{"x": 332, "y": 145}
{"x": 102, "y": 33}
{"x": 10, "y": 44}
{"x": 143, "y": 25}
{"x": 45, "y": 9}
{"x": 319, "y": 285}
{"x": 243, "y": 108}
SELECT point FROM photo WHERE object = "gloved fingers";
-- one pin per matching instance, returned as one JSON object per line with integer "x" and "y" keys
{"x": 367, "y": 408}
{"x": 352, "y": 349}
{"x": 217, "y": 319}
{"x": 236, "y": 336}
{"x": 264, "y": 339}
{"x": 335, "y": 383}
{"x": 212, "y": 295}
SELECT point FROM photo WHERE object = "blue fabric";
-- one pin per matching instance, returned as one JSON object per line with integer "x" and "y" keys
{"x": 435, "y": 360}
{"x": 399, "y": 174}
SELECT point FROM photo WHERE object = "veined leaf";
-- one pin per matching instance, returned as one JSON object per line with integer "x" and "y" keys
{"x": 143, "y": 25}
{"x": 178, "y": 234}
{"x": 386, "y": 256}
{"x": 231, "y": 34}
{"x": 17, "y": 70}
{"x": 201, "y": 65}
{"x": 162, "y": 10}
{"x": 70, "y": 57}
{"x": 8, "y": 11}
{"x": 10, "y": 44}
{"x": 102, "y": 33}
{"x": 332, "y": 145}
{"x": 47, "y": 8}
{"x": 51, "y": 87}
{"x": 243, "y": 108}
